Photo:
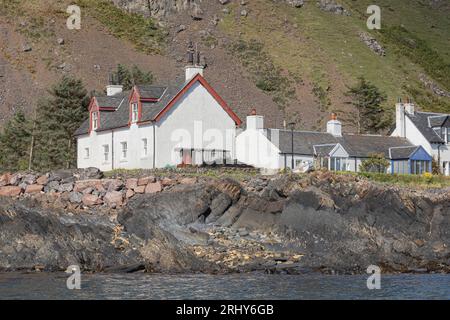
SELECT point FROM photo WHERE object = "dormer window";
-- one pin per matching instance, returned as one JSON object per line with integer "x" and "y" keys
{"x": 94, "y": 120}
{"x": 134, "y": 113}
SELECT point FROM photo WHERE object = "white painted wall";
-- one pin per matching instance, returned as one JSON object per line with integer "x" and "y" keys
{"x": 253, "y": 148}
{"x": 416, "y": 137}
{"x": 196, "y": 121}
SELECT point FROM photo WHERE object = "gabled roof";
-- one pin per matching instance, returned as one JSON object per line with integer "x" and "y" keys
{"x": 323, "y": 150}
{"x": 322, "y": 143}
{"x": 156, "y": 101}
{"x": 363, "y": 146}
{"x": 424, "y": 122}
{"x": 397, "y": 153}
{"x": 111, "y": 102}
{"x": 150, "y": 91}
{"x": 304, "y": 141}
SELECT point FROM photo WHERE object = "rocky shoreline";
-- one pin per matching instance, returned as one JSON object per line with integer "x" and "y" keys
{"x": 185, "y": 222}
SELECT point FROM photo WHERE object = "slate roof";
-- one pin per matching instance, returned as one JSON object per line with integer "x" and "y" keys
{"x": 360, "y": 146}
{"x": 363, "y": 146}
{"x": 110, "y": 102}
{"x": 304, "y": 141}
{"x": 151, "y": 110}
{"x": 421, "y": 121}
{"x": 324, "y": 149}
{"x": 120, "y": 117}
{"x": 397, "y": 153}
{"x": 151, "y": 92}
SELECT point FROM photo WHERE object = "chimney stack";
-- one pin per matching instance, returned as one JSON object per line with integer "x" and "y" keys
{"x": 409, "y": 106}
{"x": 254, "y": 121}
{"x": 193, "y": 63}
{"x": 400, "y": 118}
{"x": 334, "y": 126}
{"x": 113, "y": 89}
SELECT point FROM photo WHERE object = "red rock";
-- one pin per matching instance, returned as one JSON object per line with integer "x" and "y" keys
{"x": 42, "y": 180}
{"x": 131, "y": 183}
{"x": 113, "y": 198}
{"x": 91, "y": 200}
{"x": 129, "y": 194}
{"x": 188, "y": 181}
{"x": 139, "y": 189}
{"x": 145, "y": 181}
{"x": 4, "y": 179}
{"x": 34, "y": 188}
{"x": 10, "y": 191}
{"x": 153, "y": 187}
{"x": 84, "y": 184}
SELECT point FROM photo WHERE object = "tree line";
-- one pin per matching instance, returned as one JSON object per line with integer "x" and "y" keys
{"x": 44, "y": 140}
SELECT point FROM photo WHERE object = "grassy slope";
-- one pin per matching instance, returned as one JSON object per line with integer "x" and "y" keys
{"x": 325, "y": 48}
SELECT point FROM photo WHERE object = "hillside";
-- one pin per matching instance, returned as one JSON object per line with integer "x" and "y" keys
{"x": 292, "y": 63}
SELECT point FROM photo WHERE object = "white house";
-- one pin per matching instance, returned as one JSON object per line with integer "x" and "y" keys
{"x": 281, "y": 148}
{"x": 158, "y": 126}
{"x": 430, "y": 130}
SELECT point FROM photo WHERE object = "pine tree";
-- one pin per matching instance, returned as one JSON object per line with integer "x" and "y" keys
{"x": 129, "y": 78}
{"x": 370, "y": 115}
{"x": 58, "y": 117}
{"x": 15, "y": 143}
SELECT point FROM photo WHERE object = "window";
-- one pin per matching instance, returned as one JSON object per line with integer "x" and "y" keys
{"x": 106, "y": 152}
{"x": 419, "y": 166}
{"x": 144, "y": 147}
{"x": 94, "y": 120}
{"x": 86, "y": 153}
{"x": 338, "y": 164}
{"x": 448, "y": 135}
{"x": 124, "y": 150}
{"x": 134, "y": 112}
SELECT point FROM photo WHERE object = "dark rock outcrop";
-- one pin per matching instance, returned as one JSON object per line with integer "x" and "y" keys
{"x": 320, "y": 221}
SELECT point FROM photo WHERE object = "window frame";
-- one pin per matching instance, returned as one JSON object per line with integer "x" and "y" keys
{"x": 124, "y": 151}
{"x": 106, "y": 153}
{"x": 144, "y": 147}
{"x": 134, "y": 112}
{"x": 95, "y": 120}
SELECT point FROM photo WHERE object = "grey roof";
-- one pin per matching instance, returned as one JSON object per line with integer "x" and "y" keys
{"x": 110, "y": 102}
{"x": 120, "y": 117}
{"x": 151, "y": 110}
{"x": 397, "y": 153}
{"x": 324, "y": 149}
{"x": 363, "y": 146}
{"x": 310, "y": 143}
{"x": 437, "y": 121}
{"x": 304, "y": 141}
{"x": 151, "y": 92}
{"x": 421, "y": 121}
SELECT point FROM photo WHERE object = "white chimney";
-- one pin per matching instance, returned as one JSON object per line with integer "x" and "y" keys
{"x": 400, "y": 119}
{"x": 192, "y": 71}
{"x": 409, "y": 106}
{"x": 255, "y": 122}
{"x": 112, "y": 89}
{"x": 334, "y": 126}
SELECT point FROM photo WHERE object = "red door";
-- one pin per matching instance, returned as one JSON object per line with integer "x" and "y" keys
{"x": 187, "y": 157}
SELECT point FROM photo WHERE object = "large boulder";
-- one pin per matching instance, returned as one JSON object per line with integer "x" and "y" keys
{"x": 113, "y": 198}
